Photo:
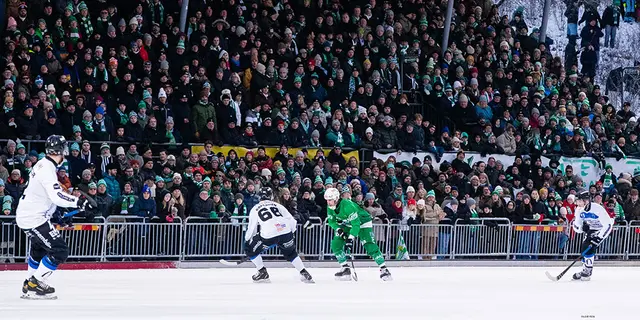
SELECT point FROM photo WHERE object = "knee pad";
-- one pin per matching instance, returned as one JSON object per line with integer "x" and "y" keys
{"x": 289, "y": 253}
{"x": 37, "y": 254}
{"x": 59, "y": 256}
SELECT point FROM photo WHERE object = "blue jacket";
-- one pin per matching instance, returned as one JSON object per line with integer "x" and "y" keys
{"x": 484, "y": 113}
{"x": 113, "y": 186}
{"x": 145, "y": 208}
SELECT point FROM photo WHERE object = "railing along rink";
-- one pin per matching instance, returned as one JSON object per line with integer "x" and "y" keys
{"x": 633, "y": 240}
{"x": 482, "y": 237}
{"x": 13, "y": 241}
{"x": 205, "y": 238}
{"x": 129, "y": 237}
{"x": 530, "y": 241}
{"x": 84, "y": 239}
{"x": 421, "y": 240}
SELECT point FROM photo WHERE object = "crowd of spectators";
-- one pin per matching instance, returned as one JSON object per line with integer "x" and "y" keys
{"x": 316, "y": 75}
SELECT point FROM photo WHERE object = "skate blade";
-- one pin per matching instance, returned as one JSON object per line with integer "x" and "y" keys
{"x": 387, "y": 278}
{"x": 343, "y": 278}
{"x": 585, "y": 279}
{"x": 262, "y": 281}
{"x": 33, "y": 296}
{"x": 307, "y": 280}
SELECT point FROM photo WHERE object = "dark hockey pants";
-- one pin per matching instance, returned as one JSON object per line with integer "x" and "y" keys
{"x": 285, "y": 243}
{"x": 46, "y": 241}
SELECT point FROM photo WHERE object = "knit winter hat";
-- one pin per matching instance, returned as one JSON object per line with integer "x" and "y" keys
{"x": 431, "y": 194}
{"x": 82, "y": 6}
{"x": 279, "y": 171}
{"x": 93, "y": 185}
{"x": 75, "y": 146}
{"x": 119, "y": 151}
{"x": 101, "y": 182}
{"x": 369, "y": 196}
{"x": 328, "y": 180}
{"x": 161, "y": 93}
{"x": 318, "y": 179}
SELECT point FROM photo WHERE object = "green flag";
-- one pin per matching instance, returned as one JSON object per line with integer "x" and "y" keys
{"x": 401, "y": 253}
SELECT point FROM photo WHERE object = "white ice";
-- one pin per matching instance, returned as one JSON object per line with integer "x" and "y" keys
{"x": 415, "y": 293}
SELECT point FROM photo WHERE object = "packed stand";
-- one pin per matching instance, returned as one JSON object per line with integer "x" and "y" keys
{"x": 310, "y": 75}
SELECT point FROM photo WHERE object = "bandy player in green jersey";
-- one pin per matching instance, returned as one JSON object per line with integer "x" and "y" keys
{"x": 349, "y": 221}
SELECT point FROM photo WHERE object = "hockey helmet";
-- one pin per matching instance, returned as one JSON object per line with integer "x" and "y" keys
{"x": 56, "y": 145}
{"x": 332, "y": 194}
{"x": 584, "y": 195}
{"x": 266, "y": 193}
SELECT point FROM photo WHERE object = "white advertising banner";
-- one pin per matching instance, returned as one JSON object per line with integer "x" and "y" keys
{"x": 587, "y": 167}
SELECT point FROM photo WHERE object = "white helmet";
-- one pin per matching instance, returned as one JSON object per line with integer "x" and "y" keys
{"x": 332, "y": 194}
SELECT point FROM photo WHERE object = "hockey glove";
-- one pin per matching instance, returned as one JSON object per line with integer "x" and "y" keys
{"x": 348, "y": 245}
{"x": 84, "y": 204}
{"x": 595, "y": 241}
{"x": 340, "y": 233}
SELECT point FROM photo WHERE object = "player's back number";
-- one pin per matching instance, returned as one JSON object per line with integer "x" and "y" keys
{"x": 268, "y": 213}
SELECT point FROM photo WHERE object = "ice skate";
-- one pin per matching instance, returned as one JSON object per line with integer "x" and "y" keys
{"x": 305, "y": 276}
{"x": 262, "y": 276}
{"x": 385, "y": 275}
{"x": 344, "y": 274}
{"x": 38, "y": 290}
{"x": 584, "y": 275}
{"x": 25, "y": 286}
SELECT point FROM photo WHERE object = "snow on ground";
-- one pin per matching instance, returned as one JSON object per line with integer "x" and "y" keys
{"x": 415, "y": 293}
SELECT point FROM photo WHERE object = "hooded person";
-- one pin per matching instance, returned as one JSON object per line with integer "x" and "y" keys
{"x": 145, "y": 206}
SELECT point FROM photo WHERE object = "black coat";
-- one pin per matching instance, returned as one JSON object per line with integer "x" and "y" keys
{"x": 133, "y": 132}
{"x": 27, "y": 127}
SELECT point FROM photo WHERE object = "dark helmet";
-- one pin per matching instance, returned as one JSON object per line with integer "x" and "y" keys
{"x": 584, "y": 195}
{"x": 56, "y": 145}
{"x": 266, "y": 193}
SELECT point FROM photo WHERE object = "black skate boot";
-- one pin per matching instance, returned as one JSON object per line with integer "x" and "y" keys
{"x": 385, "y": 275}
{"x": 305, "y": 276}
{"x": 262, "y": 276}
{"x": 39, "y": 290}
{"x": 584, "y": 275}
{"x": 25, "y": 286}
{"x": 344, "y": 274}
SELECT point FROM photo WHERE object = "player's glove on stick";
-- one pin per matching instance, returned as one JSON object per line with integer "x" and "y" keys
{"x": 84, "y": 204}
{"x": 340, "y": 233}
{"x": 348, "y": 245}
{"x": 595, "y": 241}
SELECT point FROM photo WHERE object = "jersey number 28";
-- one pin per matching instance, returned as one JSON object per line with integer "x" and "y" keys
{"x": 268, "y": 213}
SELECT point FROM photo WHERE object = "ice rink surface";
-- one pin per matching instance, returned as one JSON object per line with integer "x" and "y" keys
{"x": 416, "y": 293}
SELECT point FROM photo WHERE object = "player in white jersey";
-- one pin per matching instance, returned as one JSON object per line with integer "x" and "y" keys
{"x": 593, "y": 220}
{"x": 37, "y": 204}
{"x": 277, "y": 226}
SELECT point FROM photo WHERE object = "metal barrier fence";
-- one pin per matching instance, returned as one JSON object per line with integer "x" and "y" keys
{"x": 482, "y": 237}
{"x": 13, "y": 242}
{"x": 133, "y": 238}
